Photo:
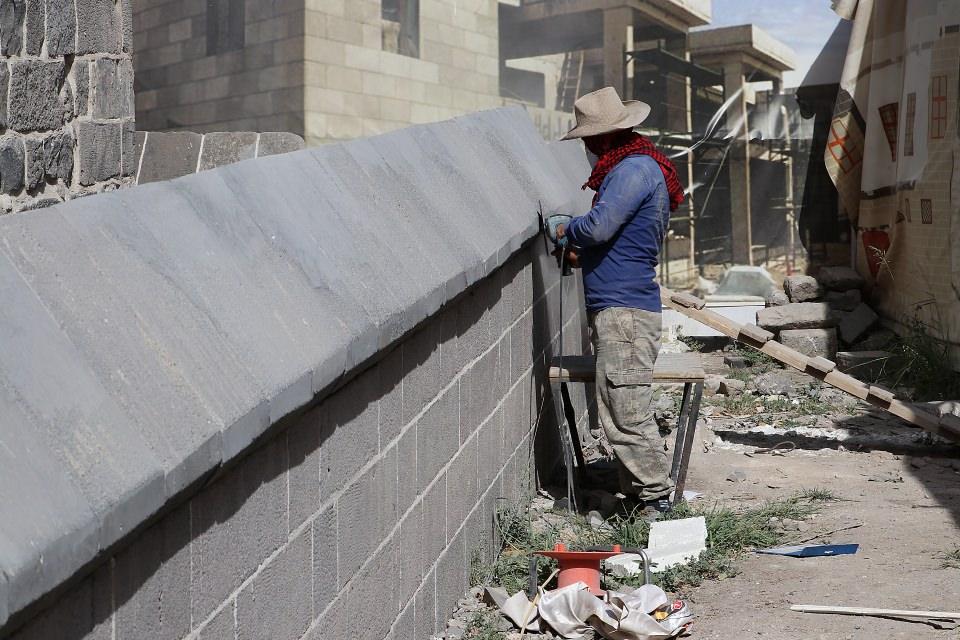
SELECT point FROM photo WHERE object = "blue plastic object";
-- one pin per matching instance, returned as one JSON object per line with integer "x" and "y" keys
{"x": 812, "y": 551}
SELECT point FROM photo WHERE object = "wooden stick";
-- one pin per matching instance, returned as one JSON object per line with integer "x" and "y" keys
{"x": 867, "y": 611}
{"x": 533, "y": 605}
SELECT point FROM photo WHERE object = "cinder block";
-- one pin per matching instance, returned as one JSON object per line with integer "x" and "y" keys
{"x": 438, "y": 436}
{"x": 303, "y": 456}
{"x": 408, "y": 486}
{"x": 425, "y": 622}
{"x": 490, "y": 447}
{"x": 421, "y": 364}
{"x": 366, "y": 511}
{"x": 462, "y": 485}
{"x": 479, "y": 389}
{"x": 83, "y": 612}
{"x": 152, "y": 581}
{"x": 368, "y": 603}
{"x": 450, "y": 363}
{"x": 223, "y": 626}
{"x": 237, "y": 522}
{"x": 391, "y": 376}
{"x": 452, "y": 577}
{"x": 521, "y": 346}
{"x": 325, "y": 573}
{"x": 404, "y": 627}
{"x": 434, "y": 522}
{"x": 278, "y": 602}
{"x": 411, "y": 553}
{"x": 350, "y": 437}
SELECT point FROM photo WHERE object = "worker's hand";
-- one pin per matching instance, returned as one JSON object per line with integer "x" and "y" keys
{"x": 561, "y": 231}
{"x": 572, "y": 257}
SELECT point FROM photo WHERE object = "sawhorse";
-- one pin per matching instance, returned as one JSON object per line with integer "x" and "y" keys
{"x": 670, "y": 368}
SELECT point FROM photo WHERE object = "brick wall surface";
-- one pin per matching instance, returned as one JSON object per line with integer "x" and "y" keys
{"x": 66, "y": 100}
{"x": 360, "y": 518}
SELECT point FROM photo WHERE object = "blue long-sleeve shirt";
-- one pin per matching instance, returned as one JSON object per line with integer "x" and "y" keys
{"x": 620, "y": 238}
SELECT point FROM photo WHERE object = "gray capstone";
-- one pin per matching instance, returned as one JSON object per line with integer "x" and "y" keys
{"x": 98, "y": 26}
{"x": 168, "y": 155}
{"x": 11, "y": 165}
{"x": 34, "y": 162}
{"x": 58, "y": 156}
{"x": 11, "y": 26}
{"x": 129, "y": 157}
{"x": 776, "y": 299}
{"x": 100, "y": 145}
{"x": 40, "y": 203}
{"x": 81, "y": 80}
{"x": 4, "y": 83}
{"x": 801, "y": 288}
{"x": 773, "y": 383}
{"x": 811, "y": 342}
{"x": 61, "y": 27}
{"x": 840, "y": 278}
{"x": 853, "y": 324}
{"x": 227, "y": 147}
{"x": 34, "y": 41}
{"x": 844, "y": 300}
{"x": 274, "y": 142}
{"x": 34, "y": 95}
{"x": 797, "y": 315}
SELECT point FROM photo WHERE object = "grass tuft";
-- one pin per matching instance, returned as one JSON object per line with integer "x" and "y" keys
{"x": 483, "y": 626}
{"x": 817, "y": 494}
{"x": 951, "y": 560}
{"x": 923, "y": 365}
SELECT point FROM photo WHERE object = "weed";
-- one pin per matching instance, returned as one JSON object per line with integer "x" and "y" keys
{"x": 756, "y": 360}
{"x": 951, "y": 560}
{"x": 923, "y": 364}
{"x": 762, "y": 405}
{"x": 693, "y": 343}
{"x": 483, "y": 626}
{"x": 817, "y": 494}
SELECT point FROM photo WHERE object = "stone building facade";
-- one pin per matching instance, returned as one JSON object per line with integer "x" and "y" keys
{"x": 66, "y": 100}
{"x": 324, "y": 69}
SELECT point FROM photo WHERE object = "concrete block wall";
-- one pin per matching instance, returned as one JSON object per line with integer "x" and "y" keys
{"x": 362, "y": 516}
{"x": 66, "y": 100}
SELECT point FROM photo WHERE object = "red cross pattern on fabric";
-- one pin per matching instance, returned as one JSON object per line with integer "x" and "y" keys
{"x": 845, "y": 156}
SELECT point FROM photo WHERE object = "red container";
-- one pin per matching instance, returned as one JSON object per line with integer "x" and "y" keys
{"x": 580, "y": 566}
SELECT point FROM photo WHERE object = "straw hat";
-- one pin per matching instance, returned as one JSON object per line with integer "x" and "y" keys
{"x": 602, "y": 111}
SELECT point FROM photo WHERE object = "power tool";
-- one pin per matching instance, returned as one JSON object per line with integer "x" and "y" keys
{"x": 549, "y": 228}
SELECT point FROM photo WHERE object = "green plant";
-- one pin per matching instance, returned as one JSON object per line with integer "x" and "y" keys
{"x": 951, "y": 560}
{"x": 923, "y": 364}
{"x": 693, "y": 343}
{"x": 817, "y": 494}
{"x": 757, "y": 360}
{"x": 483, "y": 626}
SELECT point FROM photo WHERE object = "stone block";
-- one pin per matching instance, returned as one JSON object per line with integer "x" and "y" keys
{"x": 58, "y": 156}
{"x": 222, "y": 627}
{"x": 11, "y": 165}
{"x": 325, "y": 573}
{"x": 776, "y": 299}
{"x": 99, "y": 27}
{"x": 126, "y": 21}
{"x": 811, "y": 342}
{"x": 731, "y": 387}
{"x": 129, "y": 158}
{"x": 366, "y": 512}
{"x": 462, "y": 485}
{"x": 350, "y": 437}
{"x": 844, "y": 300}
{"x": 840, "y": 278}
{"x": 438, "y": 436}
{"x": 797, "y": 315}
{"x": 773, "y": 383}
{"x": 276, "y": 142}
{"x": 108, "y": 94}
{"x": 11, "y": 26}
{"x": 303, "y": 464}
{"x": 421, "y": 362}
{"x": 34, "y": 98}
{"x": 237, "y": 522}
{"x": 81, "y": 84}
{"x": 34, "y": 162}
{"x": 168, "y": 155}
{"x": 151, "y": 581}
{"x": 425, "y": 604}
{"x": 35, "y": 26}
{"x": 278, "y": 602}
{"x": 802, "y": 288}
{"x": 61, "y": 27}
{"x": 100, "y": 146}
{"x": 854, "y": 324}
{"x": 4, "y": 86}
{"x": 227, "y": 147}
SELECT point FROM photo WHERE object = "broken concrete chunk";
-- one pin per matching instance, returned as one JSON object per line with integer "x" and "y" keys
{"x": 844, "y": 300}
{"x": 624, "y": 565}
{"x": 731, "y": 387}
{"x": 734, "y": 361}
{"x": 815, "y": 343}
{"x": 840, "y": 278}
{"x": 802, "y": 288}
{"x": 854, "y": 324}
{"x": 711, "y": 384}
{"x": 797, "y": 315}
{"x": 776, "y": 299}
{"x": 773, "y": 383}
{"x": 755, "y": 333}
{"x": 688, "y": 301}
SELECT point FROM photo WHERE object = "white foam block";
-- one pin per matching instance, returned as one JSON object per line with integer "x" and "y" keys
{"x": 674, "y": 542}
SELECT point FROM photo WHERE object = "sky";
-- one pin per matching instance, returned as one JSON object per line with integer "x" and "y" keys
{"x": 803, "y": 25}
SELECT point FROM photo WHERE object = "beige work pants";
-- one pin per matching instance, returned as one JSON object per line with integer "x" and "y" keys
{"x": 626, "y": 342}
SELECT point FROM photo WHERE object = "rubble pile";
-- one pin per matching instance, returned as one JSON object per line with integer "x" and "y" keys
{"x": 816, "y": 315}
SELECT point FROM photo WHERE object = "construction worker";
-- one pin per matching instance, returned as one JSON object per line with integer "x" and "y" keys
{"x": 616, "y": 244}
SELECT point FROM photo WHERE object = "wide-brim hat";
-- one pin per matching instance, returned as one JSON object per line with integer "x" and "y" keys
{"x": 603, "y": 111}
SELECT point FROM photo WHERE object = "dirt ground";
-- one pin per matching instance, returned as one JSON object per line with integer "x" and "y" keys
{"x": 906, "y": 526}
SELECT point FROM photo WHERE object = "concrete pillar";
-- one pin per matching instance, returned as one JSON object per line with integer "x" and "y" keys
{"x": 615, "y": 40}
{"x": 738, "y": 163}
{"x": 678, "y": 117}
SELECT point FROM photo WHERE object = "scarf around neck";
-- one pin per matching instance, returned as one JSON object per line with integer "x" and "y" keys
{"x": 634, "y": 144}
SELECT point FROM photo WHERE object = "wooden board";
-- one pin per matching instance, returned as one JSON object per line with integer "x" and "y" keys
{"x": 669, "y": 368}
{"x": 815, "y": 368}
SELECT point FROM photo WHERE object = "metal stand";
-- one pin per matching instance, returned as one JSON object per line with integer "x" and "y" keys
{"x": 686, "y": 430}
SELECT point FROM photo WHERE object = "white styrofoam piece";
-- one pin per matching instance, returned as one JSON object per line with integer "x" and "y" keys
{"x": 625, "y": 564}
{"x": 674, "y": 542}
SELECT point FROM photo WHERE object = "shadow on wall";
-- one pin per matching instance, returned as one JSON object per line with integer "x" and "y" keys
{"x": 365, "y": 484}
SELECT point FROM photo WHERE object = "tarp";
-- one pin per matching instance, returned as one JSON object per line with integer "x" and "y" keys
{"x": 893, "y": 152}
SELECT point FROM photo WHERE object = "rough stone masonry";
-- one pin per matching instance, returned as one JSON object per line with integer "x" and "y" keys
{"x": 66, "y": 100}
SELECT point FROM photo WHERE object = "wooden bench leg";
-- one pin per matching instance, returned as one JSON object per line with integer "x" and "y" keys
{"x": 684, "y": 446}
{"x": 681, "y": 430}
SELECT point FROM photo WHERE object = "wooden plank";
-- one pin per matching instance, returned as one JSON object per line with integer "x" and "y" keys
{"x": 881, "y": 395}
{"x": 688, "y": 301}
{"x": 756, "y": 334}
{"x": 669, "y": 368}
{"x": 821, "y": 365}
{"x": 786, "y": 355}
{"x": 870, "y": 611}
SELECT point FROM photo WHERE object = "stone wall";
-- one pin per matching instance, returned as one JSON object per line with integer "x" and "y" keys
{"x": 66, "y": 100}
{"x": 361, "y": 518}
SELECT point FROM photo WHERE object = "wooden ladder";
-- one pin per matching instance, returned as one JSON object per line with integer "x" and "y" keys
{"x": 571, "y": 78}
{"x": 946, "y": 425}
